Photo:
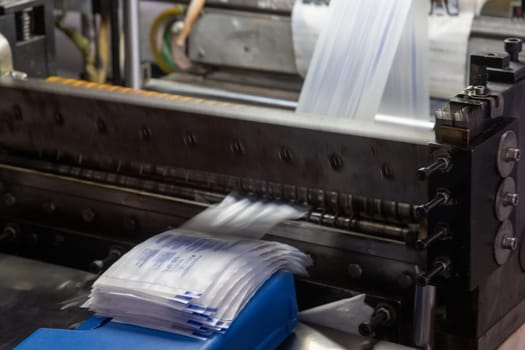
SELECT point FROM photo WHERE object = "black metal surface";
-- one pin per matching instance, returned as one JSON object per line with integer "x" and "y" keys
{"x": 149, "y": 131}
{"x": 34, "y": 295}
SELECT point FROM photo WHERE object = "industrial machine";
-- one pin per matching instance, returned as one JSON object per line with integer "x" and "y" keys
{"x": 424, "y": 219}
{"x": 425, "y": 224}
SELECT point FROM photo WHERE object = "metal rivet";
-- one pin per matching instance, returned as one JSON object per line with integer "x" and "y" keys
{"x": 9, "y": 199}
{"x": 509, "y": 242}
{"x": 17, "y": 112}
{"x": 59, "y": 119}
{"x": 88, "y": 215}
{"x": 336, "y": 162}
{"x": 355, "y": 271}
{"x": 238, "y": 147}
{"x": 145, "y": 133}
{"x": 285, "y": 155}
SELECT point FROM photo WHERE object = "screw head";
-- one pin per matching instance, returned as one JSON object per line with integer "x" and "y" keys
{"x": 17, "y": 112}
{"x": 285, "y": 154}
{"x": 511, "y": 199}
{"x": 238, "y": 148}
{"x": 386, "y": 171}
{"x": 336, "y": 162}
{"x": 512, "y": 154}
{"x": 190, "y": 139}
{"x": 405, "y": 280}
{"x": 88, "y": 215}
{"x": 479, "y": 89}
{"x": 49, "y": 207}
{"x": 355, "y": 271}
{"x": 11, "y": 231}
{"x": 509, "y": 242}
{"x": 101, "y": 126}
{"x": 9, "y": 200}
{"x": 130, "y": 223}
{"x": 145, "y": 133}
{"x": 59, "y": 119}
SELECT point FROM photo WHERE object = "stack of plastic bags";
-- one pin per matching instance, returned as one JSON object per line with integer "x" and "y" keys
{"x": 193, "y": 283}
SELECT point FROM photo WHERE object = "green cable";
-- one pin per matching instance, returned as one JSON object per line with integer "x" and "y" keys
{"x": 166, "y": 45}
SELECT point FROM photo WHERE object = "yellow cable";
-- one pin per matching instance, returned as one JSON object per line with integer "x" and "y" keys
{"x": 158, "y": 23}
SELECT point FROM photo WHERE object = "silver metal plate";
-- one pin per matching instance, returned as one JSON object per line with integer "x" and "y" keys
{"x": 243, "y": 40}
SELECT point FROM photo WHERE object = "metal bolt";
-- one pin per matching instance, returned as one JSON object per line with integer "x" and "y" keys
{"x": 336, "y": 162}
{"x": 441, "y": 198}
{"x": 386, "y": 171}
{"x": 441, "y": 164}
{"x": 145, "y": 133}
{"x": 513, "y": 47}
{"x": 49, "y": 207}
{"x": 59, "y": 119}
{"x": 88, "y": 215}
{"x": 285, "y": 155}
{"x": 190, "y": 139}
{"x": 238, "y": 147}
{"x": 11, "y": 232}
{"x": 17, "y": 112}
{"x": 130, "y": 223}
{"x": 440, "y": 266}
{"x": 512, "y": 154}
{"x": 509, "y": 242}
{"x": 9, "y": 200}
{"x": 405, "y": 280}
{"x": 422, "y": 244}
{"x": 479, "y": 89}
{"x": 511, "y": 199}
{"x": 101, "y": 126}
{"x": 355, "y": 271}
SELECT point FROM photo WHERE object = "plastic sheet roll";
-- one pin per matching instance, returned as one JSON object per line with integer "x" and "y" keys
{"x": 354, "y": 57}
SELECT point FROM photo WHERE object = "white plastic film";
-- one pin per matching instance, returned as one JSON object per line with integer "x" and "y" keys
{"x": 353, "y": 59}
{"x": 370, "y": 57}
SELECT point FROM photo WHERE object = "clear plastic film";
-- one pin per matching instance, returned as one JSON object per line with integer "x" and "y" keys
{"x": 363, "y": 49}
{"x": 196, "y": 279}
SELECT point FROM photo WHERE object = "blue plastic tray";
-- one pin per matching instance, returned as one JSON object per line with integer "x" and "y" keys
{"x": 263, "y": 324}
